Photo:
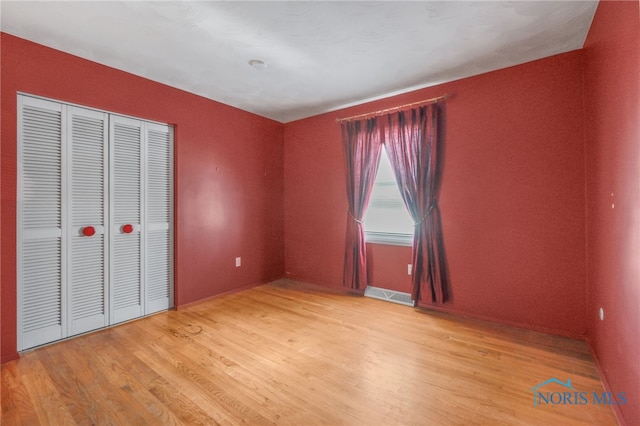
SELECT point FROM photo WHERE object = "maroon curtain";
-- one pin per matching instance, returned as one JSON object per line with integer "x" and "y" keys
{"x": 362, "y": 146}
{"x": 414, "y": 146}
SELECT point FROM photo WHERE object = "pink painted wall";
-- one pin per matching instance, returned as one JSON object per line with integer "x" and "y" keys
{"x": 512, "y": 197}
{"x": 228, "y": 172}
{"x": 612, "y": 140}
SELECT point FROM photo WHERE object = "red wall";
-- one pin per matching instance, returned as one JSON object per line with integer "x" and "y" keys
{"x": 612, "y": 129}
{"x": 228, "y": 172}
{"x": 512, "y": 197}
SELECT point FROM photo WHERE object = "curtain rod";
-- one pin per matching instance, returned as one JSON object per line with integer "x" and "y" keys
{"x": 396, "y": 108}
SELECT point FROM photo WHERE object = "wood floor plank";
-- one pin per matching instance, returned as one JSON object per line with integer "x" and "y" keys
{"x": 244, "y": 350}
{"x": 114, "y": 366}
{"x": 17, "y": 405}
{"x": 168, "y": 405}
{"x": 288, "y": 353}
{"x": 203, "y": 392}
{"x": 270, "y": 352}
{"x": 50, "y": 408}
{"x": 81, "y": 379}
{"x": 213, "y": 357}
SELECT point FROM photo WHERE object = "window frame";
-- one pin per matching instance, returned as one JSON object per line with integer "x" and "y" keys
{"x": 382, "y": 237}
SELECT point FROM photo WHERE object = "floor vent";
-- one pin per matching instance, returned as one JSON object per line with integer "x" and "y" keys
{"x": 389, "y": 295}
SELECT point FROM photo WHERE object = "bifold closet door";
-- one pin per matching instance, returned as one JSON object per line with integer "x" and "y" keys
{"x": 159, "y": 207}
{"x": 42, "y": 298}
{"x": 95, "y": 233}
{"x": 141, "y": 205}
{"x": 126, "y": 201}
{"x": 61, "y": 221}
{"x": 87, "y": 280}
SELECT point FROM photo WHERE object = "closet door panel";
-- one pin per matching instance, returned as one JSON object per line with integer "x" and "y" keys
{"x": 159, "y": 207}
{"x": 126, "y": 217}
{"x": 87, "y": 188}
{"x": 41, "y": 296}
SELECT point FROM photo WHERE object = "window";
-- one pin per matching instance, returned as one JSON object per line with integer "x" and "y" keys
{"x": 387, "y": 220}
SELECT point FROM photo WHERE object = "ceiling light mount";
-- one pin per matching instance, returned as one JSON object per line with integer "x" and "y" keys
{"x": 258, "y": 64}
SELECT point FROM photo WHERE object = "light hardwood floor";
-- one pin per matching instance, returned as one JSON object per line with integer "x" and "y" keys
{"x": 288, "y": 353}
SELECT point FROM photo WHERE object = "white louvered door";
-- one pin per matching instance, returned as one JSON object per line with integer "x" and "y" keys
{"x": 87, "y": 280}
{"x": 95, "y": 222}
{"x": 127, "y": 287}
{"x": 159, "y": 201}
{"x": 41, "y": 218}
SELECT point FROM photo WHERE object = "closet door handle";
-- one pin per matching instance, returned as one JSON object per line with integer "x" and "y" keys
{"x": 88, "y": 231}
{"x": 127, "y": 229}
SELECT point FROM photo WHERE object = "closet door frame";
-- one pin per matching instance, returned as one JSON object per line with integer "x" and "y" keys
{"x": 65, "y": 329}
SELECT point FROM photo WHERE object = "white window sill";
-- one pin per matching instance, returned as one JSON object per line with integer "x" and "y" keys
{"x": 405, "y": 240}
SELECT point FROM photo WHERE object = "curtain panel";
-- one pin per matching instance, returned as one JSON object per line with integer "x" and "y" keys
{"x": 362, "y": 146}
{"x": 413, "y": 142}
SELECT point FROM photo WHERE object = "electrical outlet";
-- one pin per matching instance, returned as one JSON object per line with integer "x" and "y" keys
{"x": 409, "y": 269}
{"x": 238, "y": 261}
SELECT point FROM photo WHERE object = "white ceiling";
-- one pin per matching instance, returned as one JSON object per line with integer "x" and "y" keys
{"x": 320, "y": 56}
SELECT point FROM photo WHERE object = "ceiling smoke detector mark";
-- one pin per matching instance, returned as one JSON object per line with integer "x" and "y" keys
{"x": 258, "y": 64}
{"x": 601, "y": 314}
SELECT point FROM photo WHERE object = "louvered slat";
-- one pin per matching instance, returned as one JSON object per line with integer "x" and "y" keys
{"x": 125, "y": 278}
{"x": 87, "y": 171}
{"x": 41, "y": 278}
{"x": 126, "y": 170}
{"x": 158, "y": 265}
{"x": 87, "y": 274}
{"x": 41, "y": 168}
{"x": 158, "y": 177}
